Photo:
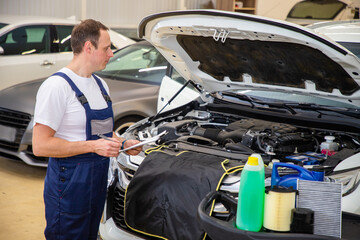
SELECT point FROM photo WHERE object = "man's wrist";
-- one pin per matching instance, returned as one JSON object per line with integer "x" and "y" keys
{"x": 123, "y": 144}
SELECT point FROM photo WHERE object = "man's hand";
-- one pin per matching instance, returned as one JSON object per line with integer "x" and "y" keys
{"x": 133, "y": 151}
{"x": 107, "y": 147}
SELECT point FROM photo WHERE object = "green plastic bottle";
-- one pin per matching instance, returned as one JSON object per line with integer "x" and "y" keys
{"x": 250, "y": 210}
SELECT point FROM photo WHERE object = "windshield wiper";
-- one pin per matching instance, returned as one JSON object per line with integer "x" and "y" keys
{"x": 283, "y": 105}
{"x": 254, "y": 101}
{"x": 319, "y": 108}
{"x": 291, "y": 106}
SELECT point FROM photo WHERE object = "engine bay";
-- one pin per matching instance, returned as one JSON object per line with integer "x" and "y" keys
{"x": 209, "y": 130}
{"x": 281, "y": 141}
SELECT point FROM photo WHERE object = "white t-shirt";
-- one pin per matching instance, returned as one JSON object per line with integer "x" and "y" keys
{"x": 57, "y": 105}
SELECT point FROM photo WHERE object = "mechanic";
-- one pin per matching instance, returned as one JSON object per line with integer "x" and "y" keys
{"x": 72, "y": 110}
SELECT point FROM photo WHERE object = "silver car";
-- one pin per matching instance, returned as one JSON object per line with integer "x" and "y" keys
{"x": 133, "y": 76}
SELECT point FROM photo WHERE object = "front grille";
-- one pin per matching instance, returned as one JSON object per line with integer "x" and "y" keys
{"x": 129, "y": 173}
{"x": 118, "y": 213}
{"x": 118, "y": 207}
{"x": 17, "y": 121}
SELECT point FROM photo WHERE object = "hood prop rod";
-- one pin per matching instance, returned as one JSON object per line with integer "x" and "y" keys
{"x": 173, "y": 97}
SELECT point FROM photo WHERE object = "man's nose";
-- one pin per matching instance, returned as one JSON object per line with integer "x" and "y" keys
{"x": 110, "y": 54}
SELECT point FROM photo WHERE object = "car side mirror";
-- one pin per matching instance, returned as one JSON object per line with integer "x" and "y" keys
{"x": 1, "y": 50}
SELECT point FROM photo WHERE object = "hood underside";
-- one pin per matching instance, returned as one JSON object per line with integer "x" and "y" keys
{"x": 267, "y": 62}
{"x": 224, "y": 50}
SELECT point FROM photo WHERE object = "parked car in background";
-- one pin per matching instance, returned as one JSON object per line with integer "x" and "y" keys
{"x": 265, "y": 86}
{"x": 128, "y": 31}
{"x": 346, "y": 33}
{"x": 36, "y": 47}
{"x": 133, "y": 76}
{"x": 311, "y": 11}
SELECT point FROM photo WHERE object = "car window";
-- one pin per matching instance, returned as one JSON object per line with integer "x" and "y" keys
{"x": 26, "y": 40}
{"x": 112, "y": 47}
{"x": 64, "y": 35}
{"x": 353, "y": 47}
{"x": 175, "y": 75}
{"x": 3, "y": 24}
{"x": 141, "y": 63}
{"x": 325, "y": 10}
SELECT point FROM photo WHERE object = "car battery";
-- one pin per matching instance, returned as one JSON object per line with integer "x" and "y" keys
{"x": 307, "y": 158}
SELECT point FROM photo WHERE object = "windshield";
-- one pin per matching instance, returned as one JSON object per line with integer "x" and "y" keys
{"x": 317, "y": 9}
{"x": 353, "y": 47}
{"x": 3, "y": 24}
{"x": 139, "y": 62}
{"x": 292, "y": 98}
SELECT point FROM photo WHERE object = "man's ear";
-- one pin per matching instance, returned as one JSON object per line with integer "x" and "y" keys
{"x": 87, "y": 47}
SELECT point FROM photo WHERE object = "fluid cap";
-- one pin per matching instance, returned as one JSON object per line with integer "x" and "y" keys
{"x": 329, "y": 138}
{"x": 253, "y": 161}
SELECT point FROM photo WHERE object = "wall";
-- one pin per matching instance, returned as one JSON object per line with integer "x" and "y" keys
{"x": 110, "y": 12}
{"x": 64, "y": 8}
{"x": 125, "y": 12}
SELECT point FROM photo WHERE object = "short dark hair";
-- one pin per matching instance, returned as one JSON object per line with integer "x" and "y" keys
{"x": 87, "y": 30}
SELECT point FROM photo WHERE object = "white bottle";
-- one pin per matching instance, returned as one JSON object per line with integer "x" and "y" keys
{"x": 329, "y": 144}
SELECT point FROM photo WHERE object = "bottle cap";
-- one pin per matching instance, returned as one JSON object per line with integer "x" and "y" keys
{"x": 329, "y": 138}
{"x": 254, "y": 161}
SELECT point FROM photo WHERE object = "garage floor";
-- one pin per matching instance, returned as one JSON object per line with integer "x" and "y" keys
{"x": 21, "y": 203}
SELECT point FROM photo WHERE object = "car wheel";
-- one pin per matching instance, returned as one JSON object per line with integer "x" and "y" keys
{"x": 124, "y": 123}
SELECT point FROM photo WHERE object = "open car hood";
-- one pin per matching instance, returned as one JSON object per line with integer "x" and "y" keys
{"x": 223, "y": 50}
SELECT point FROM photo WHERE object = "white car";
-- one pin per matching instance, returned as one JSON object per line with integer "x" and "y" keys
{"x": 346, "y": 33}
{"x": 311, "y": 11}
{"x": 265, "y": 86}
{"x": 36, "y": 47}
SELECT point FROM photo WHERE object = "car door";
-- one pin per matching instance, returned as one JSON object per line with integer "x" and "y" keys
{"x": 26, "y": 55}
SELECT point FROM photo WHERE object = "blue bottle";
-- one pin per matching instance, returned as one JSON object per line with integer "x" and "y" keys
{"x": 290, "y": 180}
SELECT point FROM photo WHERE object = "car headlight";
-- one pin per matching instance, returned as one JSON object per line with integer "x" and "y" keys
{"x": 113, "y": 169}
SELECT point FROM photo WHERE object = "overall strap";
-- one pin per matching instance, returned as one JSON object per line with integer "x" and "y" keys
{"x": 79, "y": 95}
{"x": 103, "y": 91}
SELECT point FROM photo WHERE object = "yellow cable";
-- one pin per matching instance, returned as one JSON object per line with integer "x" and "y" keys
{"x": 226, "y": 172}
{"x": 181, "y": 153}
{"x": 155, "y": 149}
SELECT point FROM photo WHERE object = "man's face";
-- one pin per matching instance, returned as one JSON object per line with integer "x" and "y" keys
{"x": 103, "y": 52}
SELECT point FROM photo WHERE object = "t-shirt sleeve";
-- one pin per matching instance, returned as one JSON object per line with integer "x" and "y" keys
{"x": 51, "y": 101}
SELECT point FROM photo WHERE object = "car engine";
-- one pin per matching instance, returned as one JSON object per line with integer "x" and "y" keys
{"x": 276, "y": 140}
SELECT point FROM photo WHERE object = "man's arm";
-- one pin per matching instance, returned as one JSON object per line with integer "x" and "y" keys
{"x": 45, "y": 144}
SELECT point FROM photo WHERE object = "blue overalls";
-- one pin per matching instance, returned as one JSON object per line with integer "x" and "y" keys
{"x": 75, "y": 187}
